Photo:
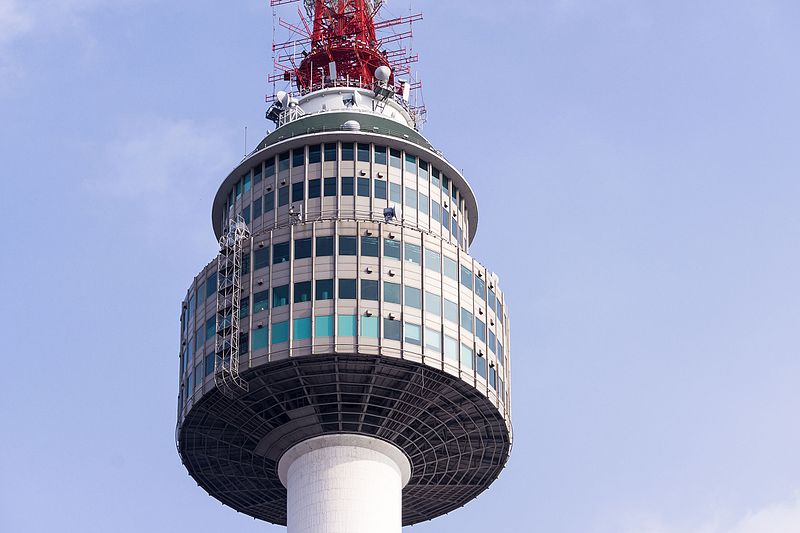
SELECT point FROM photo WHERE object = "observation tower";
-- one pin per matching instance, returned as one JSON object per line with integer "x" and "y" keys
{"x": 344, "y": 361}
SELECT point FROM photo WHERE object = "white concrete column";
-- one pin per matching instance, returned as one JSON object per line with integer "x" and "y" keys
{"x": 344, "y": 484}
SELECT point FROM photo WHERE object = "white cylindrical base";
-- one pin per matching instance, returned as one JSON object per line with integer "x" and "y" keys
{"x": 344, "y": 484}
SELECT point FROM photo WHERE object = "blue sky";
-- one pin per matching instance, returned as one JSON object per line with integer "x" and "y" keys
{"x": 636, "y": 165}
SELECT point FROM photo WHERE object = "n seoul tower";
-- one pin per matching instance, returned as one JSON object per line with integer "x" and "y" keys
{"x": 344, "y": 361}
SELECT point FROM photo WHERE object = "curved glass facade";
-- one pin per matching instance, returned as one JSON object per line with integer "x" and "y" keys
{"x": 368, "y": 288}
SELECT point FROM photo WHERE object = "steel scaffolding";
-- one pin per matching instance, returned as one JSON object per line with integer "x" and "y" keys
{"x": 229, "y": 290}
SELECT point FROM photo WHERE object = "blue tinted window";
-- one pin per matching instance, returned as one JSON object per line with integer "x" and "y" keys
{"x": 211, "y": 327}
{"x": 466, "y": 320}
{"x": 330, "y": 151}
{"x": 269, "y": 201}
{"x": 493, "y": 378}
{"x": 244, "y": 307}
{"x": 413, "y": 253}
{"x": 260, "y": 301}
{"x": 413, "y": 297}
{"x": 480, "y": 366}
{"x": 433, "y": 303}
{"x": 211, "y": 285}
{"x": 363, "y": 187}
{"x": 466, "y": 277}
{"x": 314, "y": 188}
{"x": 280, "y": 296}
{"x": 210, "y": 364}
{"x": 363, "y": 152}
{"x": 423, "y": 204}
{"x": 392, "y": 329}
{"x": 257, "y": 208}
{"x": 302, "y": 248}
{"x": 247, "y": 183}
{"x": 246, "y": 214}
{"x": 324, "y": 289}
{"x": 302, "y": 329}
{"x": 269, "y": 167}
{"x": 380, "y": 189}
{"x": 370, "y": 246}
{"x": 450, "y": 348}
{"x": 347, "y": 152}
{"x": 423, "y": 170}
{"x": 347, "y": 186}
{"x": 391, "y": 292}
{"x": 492, "y": 341}
{"x": 280, "y": 252}
{"x": 283, "y": 161}
{"x": 391, "y": 248}
{"x": 480, "y": 287}
{"x": 347, "y": 289}
{"x": 433, "y": 341}
{"x": 348, "y": 245}
{"x": 396, "y": 193}
{"x": 369, "y": 289}
{"x": 330, "y": 186}
{"x": 436, "y": 211}
{"x": 395, "y": 158}
{"x": 411, "y": 198}
{"x": 369, "y": 326}
{"x": 261, "y": 258}
{"x": 315, "y": 153}
{"x": 298, "y": 157}
{"x": 451, "y": 311}
{"x": 298, "y": 191}
{"x": 325, "y": 246}
{"x": 380, "y": 155}
{"x": 280, "y": 332}
{"x": 450, "y": 268}
{"x": 323, "y": 326}
{"x": 411, "y": 164}
{"x": 433, "y": 260}
{"x": 480, "y": 329}
{"x": 283, "y": 196}
{"x": 302, "y": 292}
{"x": 347, "y": 325}
{"x": 466, "y": 357}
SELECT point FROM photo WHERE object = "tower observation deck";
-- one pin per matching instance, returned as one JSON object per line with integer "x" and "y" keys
{"x": 344, "y": 361}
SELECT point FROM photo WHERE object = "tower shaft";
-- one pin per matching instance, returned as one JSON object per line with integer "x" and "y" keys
{"x": 344, "y": 484}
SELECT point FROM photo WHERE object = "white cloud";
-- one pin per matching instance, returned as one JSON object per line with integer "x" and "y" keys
{"x": 779, "y": 517}
{"x": 160, "y": 171}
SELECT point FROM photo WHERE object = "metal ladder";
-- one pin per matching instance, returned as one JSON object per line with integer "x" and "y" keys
{"x": 229, "y": 291}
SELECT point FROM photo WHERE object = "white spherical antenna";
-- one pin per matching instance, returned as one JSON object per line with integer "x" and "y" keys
{"x": 383, "y": 73}
{"x": 282, "y": 97}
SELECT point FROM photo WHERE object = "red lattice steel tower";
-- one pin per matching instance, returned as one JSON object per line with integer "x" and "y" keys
{"x": 340, "y": 42}
{"x": 344, "y": 36}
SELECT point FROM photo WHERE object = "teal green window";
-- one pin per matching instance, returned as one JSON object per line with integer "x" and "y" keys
{"x": 260, "y": 337}
{"x": 413, "y": 334}
{"x": 480, "y": 366}
{"x": 211, "y": 327}
{"x": 369, "y": 326}
{"x": 466, "y": 320}
{"x": 348, "y": 325}
{"x": 280, "y": 332}
{"x": 323, "y": 326}
{"x": 302, "y": 329}
{"x": 466, "y": 277}
{"x": 391, "y": 248}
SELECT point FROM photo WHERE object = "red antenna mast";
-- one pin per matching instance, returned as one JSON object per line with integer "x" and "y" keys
{"x": 340, "y": 43}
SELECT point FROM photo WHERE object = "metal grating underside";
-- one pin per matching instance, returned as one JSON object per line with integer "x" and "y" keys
{"x": 456, "y": 439}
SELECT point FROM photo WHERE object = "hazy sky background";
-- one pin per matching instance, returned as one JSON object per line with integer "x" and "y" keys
{"x": 636, "y": 165}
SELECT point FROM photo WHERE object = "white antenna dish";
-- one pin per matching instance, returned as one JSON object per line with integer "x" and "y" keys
{"x": 406, "y": 90}
{"x": 282, "y": 97}
{"x": 383, "y": 73}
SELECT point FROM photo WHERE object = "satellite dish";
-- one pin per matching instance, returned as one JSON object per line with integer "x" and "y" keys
{"x": 383, "y": 73}
{"x": 351, "y": 125}
{"x": 282, "y": 97}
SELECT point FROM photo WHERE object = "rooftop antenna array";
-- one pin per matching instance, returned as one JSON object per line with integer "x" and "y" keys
{"x": 342, "y": 43}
